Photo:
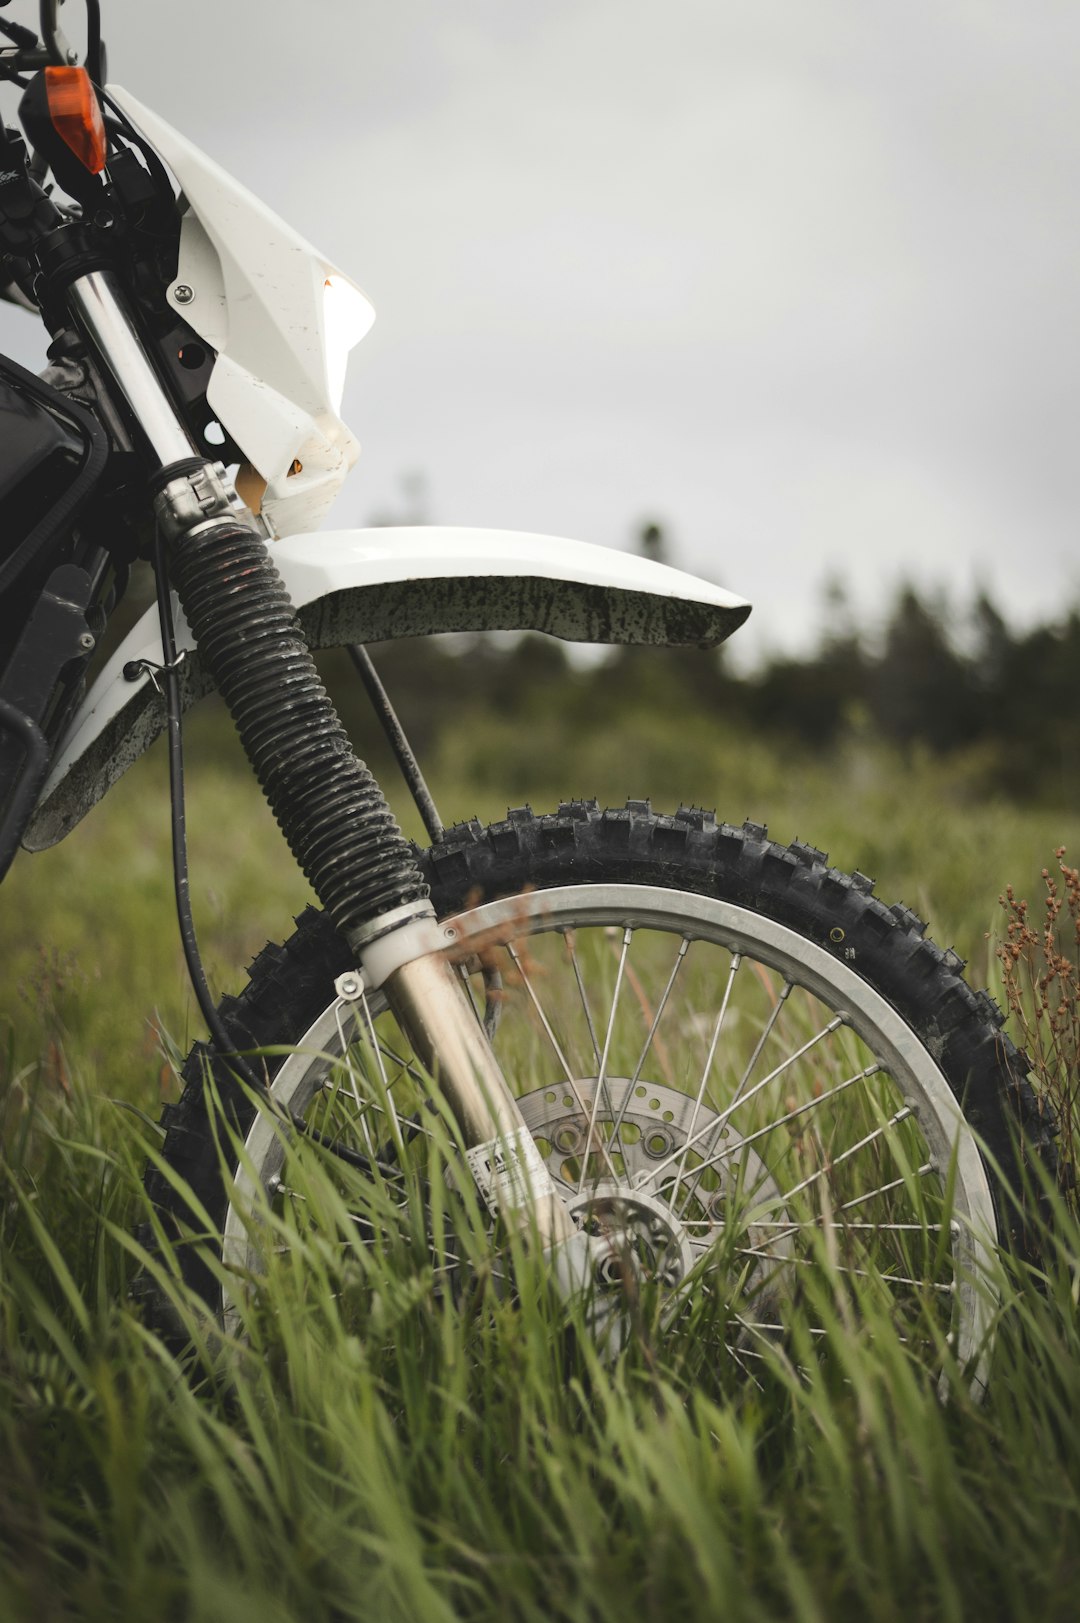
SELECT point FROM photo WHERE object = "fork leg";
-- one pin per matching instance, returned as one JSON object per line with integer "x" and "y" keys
{"x": 430, "y": 1003}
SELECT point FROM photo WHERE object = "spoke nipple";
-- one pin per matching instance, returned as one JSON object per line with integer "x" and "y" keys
{"x": 274, "y": 1185}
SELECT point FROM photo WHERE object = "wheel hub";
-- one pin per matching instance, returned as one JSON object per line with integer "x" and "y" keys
{"x": 656, "y": 1178}
{"x": 641, "y": 1237}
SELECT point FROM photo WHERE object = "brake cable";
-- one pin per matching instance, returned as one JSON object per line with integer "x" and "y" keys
{"x": 166, "y": 679}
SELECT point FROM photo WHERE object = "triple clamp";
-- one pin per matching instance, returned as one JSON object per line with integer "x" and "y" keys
{"x": 201, "y": 496}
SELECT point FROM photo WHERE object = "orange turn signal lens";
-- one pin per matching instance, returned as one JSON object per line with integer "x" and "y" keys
{"x": 76, "y": 115}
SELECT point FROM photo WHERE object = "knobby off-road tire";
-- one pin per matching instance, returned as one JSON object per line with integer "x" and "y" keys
{"x": 721, "y": 1044}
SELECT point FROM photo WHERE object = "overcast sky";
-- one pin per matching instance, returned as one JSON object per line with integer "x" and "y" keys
{"x": 797, "y": 278}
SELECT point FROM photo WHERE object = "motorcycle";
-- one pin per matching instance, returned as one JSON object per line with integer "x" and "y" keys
{"x": 678, "y": 1058}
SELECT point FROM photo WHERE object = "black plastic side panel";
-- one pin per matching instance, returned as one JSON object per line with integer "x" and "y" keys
{"x": 45, "y": 665}
{"x": 52, "y": 454}
{"x": 40, "y": 458}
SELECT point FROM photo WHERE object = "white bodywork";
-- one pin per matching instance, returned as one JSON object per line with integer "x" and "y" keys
{"x": 369, "y": 585}
{"x": 282, "y": 319}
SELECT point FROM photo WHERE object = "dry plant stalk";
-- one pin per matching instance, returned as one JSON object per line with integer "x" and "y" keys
{"x": 1040, "y": 969}
{"x": 486, "y": 949}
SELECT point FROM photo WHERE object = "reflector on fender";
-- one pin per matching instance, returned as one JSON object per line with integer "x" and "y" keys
{"x": 76, "y": 115}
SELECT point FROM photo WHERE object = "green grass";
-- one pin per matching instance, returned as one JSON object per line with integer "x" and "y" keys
{"x": 374, "y": 1447}
{"x": 89, "y": 944}
{"x": 377, "y": 1447}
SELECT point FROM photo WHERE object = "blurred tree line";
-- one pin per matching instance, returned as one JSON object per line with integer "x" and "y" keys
{"x": 949, "y": 684}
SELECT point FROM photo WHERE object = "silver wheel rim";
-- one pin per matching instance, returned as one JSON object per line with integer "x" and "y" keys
{"x": 802, "y": 1074}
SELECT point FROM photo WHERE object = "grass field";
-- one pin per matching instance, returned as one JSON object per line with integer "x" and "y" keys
{"x": 375, "y": 1447}
{"x": 90, "y": 945}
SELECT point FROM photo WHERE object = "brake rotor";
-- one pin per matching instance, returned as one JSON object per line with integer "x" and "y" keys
{"x": 663, "y": 1176}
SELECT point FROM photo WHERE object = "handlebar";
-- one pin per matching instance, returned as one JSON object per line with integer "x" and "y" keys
{"x": 56, "y": 42}
{"x": 54, "y": 49}
{"x": 53, "y": 36}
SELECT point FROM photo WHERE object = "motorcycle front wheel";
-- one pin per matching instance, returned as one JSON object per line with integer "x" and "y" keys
{"x": 732, "y": 1058}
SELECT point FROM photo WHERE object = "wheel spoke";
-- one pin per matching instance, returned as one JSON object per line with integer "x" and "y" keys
{"x": 738, "y": 1354}
{"x": 836, "y": 1160}
{"x": 466, "y": 980}
{"x": 774, "y": 1015}
{"x": 923, "y": 1171}
{"x": 756, "y": 1222}
{"x": 571, "y": 1079}
{"x": 736, "y": 960}
{"x": 405, "y": 1066}
{"x": 362, "y": 1110}
{"x": 601, "y": 1091}
{"x": 717, "y": 1124}
{"x": 794, "y": 1114}
{"x": 715, "y": 1160}
{"x": 680, "y": 958}
{"x": 748, "y": 1072}
{"x": 845, "y": 1268}
{"x": 570, "y": 941}
{"x": 346, "y": 1054}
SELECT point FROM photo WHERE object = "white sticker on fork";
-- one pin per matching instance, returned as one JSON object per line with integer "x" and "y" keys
{"x": 509, "y": 1171}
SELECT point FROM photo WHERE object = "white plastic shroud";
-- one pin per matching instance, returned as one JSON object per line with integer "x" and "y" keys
{"x": 282, "y": 319}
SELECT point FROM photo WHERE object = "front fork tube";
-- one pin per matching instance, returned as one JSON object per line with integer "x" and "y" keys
{"x": 432, "y": 1007}
{"x": 330, "y": 808}
{"x": 342, "y": 832}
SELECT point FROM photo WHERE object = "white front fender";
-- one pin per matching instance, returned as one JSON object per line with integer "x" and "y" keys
{"x": 369, "y": 585}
